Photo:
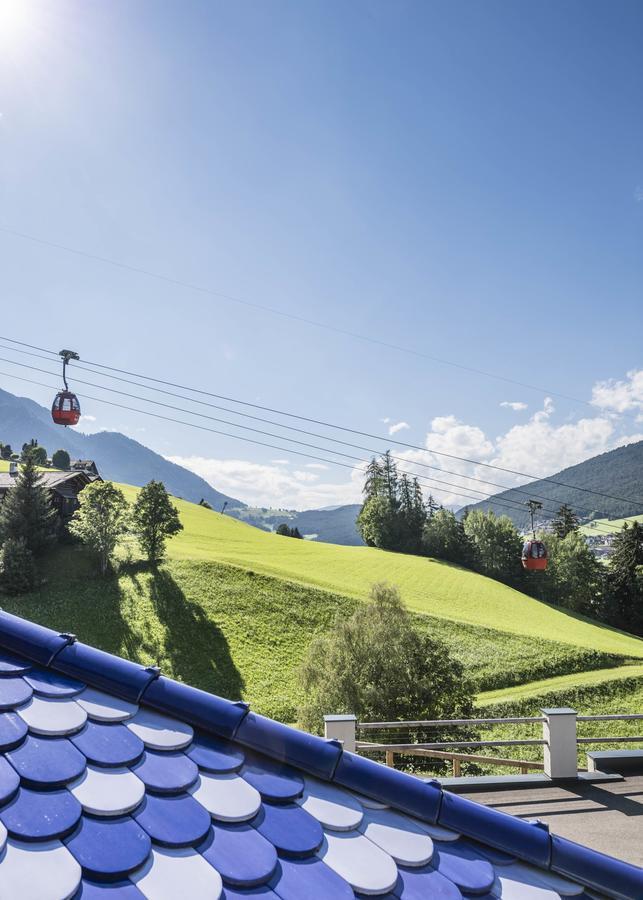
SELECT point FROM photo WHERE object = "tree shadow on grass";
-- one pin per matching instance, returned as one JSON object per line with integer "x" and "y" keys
{"x": 194, "y": 646}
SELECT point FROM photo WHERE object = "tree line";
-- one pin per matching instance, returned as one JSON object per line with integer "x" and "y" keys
{"x": 29, "y": 525}
{"x": 60, "y": 459}
{"x": 395, "y": 516}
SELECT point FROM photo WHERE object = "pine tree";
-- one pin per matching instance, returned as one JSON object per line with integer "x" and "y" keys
{"x": 624, "y": 599}
{"x": 17, "y": 570}
{"x": 27, "y": 512}
{"x": 154, "y": 518}
{"x": 390, "y": 476}
{"x": 373, "y": 482}
{"x": 565, "y": 521}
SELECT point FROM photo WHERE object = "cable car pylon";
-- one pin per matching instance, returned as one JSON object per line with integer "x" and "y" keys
{"x": 65, "y": 409}
{"x": 534, "y": 553}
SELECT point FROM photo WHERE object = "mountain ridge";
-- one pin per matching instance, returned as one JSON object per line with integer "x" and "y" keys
{"x": 617, "y": 472}
{"x": 118, "y": 457}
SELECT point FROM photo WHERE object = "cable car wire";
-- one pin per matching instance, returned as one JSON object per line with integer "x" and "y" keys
{"x": 372, "y": 450}
{"x": 358, "y": 462}
{"x": 389, "y": 440}
{"x": 238, "y": 437}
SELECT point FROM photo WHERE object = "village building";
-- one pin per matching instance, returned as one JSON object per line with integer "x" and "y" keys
{"x": 64, "y": 487}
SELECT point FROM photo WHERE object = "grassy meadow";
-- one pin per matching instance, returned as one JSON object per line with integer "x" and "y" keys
{"x": 233, "y": 610}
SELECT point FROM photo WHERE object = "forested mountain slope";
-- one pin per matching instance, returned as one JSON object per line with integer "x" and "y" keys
{"x": 618, "y": 473}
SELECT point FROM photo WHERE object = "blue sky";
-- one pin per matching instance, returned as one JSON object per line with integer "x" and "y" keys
{"x": 462, "y": 179}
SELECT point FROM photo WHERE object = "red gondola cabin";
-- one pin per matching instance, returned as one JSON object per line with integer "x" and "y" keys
{"x": 65, "y": 409}
{"x": 534, "y": 556}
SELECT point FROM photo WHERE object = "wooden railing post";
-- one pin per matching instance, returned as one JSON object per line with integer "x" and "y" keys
{"x": 390, "y": 758}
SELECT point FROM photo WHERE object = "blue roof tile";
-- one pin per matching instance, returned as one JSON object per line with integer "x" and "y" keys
{"x": 13, "y": 692}
{"x": 153, "y": 762}
{"x": 419, "y": 884}
{"x": 108, "y": 745}
{"x": 13, "y": 665}
{"x": 295, "y": 879}
{"x": 459, "y": 864}
{"x": 173, "y": 821}
{"x": 9, "y": 780}
{"x": 290, "y": 828}
{"x": 166, "y": 772}
{"x": 240, "y": 854}
{"x": 51, "y": 684}
{"x": 13, "y": 731}
{"x": 40, "y": 815}
{"x": 230, "y": 893}
{"x": 274, "y": 781}
{"x": 215, "y": 755}
{"x": 47, "y": 762}
{"x": 109, "y": 849}
{"x": 105, "y": 890}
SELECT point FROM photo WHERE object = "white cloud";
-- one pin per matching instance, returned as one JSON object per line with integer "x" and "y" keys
{"x": 386, "y": 420}
{"x": 516, "y": 405}
{"x": 620, "y": 396}
{"x": 262, "y": 484}
{"x": 398, "y": 426}
{"x": 537, "y": 447}
{"x": 84, "y": 418}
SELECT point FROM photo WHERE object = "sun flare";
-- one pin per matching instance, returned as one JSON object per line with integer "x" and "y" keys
{"x": 16, "y": 20}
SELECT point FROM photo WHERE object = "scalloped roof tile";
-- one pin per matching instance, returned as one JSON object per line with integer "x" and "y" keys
{"x": 116, "y": 782}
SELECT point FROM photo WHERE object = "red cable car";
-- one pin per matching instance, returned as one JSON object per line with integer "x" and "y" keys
{"x": 65, "y": 409}
{"x": 534, "y": 553}
{"x": 534, "y": 556}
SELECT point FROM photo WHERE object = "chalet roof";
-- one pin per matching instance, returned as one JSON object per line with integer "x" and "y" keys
{"x": 118, "y": 782}
{"x": 57, "y": 481}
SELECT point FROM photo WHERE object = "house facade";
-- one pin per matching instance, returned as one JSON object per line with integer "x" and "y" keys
{"x": 63, "y": 487}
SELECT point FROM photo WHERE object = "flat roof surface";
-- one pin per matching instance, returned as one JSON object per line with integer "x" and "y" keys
{"x": 606, "y": 817}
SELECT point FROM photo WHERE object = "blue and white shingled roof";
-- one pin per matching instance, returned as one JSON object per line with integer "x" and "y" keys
{"x": 116, "y": 782}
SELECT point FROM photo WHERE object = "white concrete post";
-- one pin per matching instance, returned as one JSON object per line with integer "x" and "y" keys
{"x": 561, "y": 750}
{"x": 341, "y": 728}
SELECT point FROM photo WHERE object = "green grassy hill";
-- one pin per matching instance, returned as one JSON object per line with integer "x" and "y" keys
{"x": 234, "y": 608}
{"x": 612, "y": 525}
{"x": 427, "y": 586}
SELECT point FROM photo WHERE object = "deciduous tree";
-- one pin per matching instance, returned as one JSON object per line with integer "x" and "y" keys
{"x": 61, "y": 460}
{"x": 377, "y": 665}
{"x": 101, "y": 520}
{"x": 154, "y": 519}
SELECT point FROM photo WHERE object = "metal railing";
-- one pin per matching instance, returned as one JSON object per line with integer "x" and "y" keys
{"x": 559, "y": 740}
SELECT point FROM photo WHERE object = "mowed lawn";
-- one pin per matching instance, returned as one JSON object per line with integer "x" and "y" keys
{"x": 427, "y": 586}
{"x": 612, "y": 525}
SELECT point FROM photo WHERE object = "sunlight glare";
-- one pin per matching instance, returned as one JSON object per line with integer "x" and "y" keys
{"x": 16, "y": 19}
